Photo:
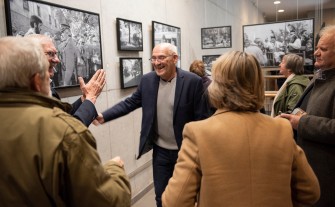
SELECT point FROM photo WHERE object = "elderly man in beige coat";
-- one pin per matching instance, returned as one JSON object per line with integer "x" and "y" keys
{"x": 240, "y": 157}
{"x": 47, "y": 157}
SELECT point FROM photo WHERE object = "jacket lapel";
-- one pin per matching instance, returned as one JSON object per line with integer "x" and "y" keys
{"x": 179, "y": 88}
{"x": 304, "y": 94}
{"x": 155, "y": 92}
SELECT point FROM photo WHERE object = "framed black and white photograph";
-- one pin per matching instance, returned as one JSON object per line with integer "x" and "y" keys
{"x": 129, "y": 35}
{"x": 131, "y": 72}
{"x": 208, "y": 62}
{"x": 216, "y": 37}
{"x": 274, "y": 40}
{"x": 76, "y": 35}
{"x": 166, "y": 33}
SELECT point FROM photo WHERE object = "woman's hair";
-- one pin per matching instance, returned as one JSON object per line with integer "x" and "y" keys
{"x": 198, "y": 67}
{"x": 295, "y": 63}
{"x": 21, "y": 58}
{"x": 238, "y": 83}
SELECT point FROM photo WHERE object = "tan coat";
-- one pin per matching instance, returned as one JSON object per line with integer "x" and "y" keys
{"x": 241, "y": 159}
{"x": 49, "y": 158}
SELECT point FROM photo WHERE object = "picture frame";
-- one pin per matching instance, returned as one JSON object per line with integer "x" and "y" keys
{"x": 129, "y": 35}
{"x": 76, "y": 35}
{"x": 131, "y": 72}
{"x": 167, "y": 33}
{"x": 208, "y": 62}
{"x": 279, "y": 38}
{"x": 216, "y": 37}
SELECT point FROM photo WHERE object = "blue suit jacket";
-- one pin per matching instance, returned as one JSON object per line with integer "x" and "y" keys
{"x": 188, "y": 106}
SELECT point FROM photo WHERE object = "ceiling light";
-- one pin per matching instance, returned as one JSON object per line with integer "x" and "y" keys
{"x": 281, "y": 10}
{"x": 276, "y": 2}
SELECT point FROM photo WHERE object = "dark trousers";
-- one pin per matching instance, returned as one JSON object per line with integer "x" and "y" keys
{"x": 163, "y": 161}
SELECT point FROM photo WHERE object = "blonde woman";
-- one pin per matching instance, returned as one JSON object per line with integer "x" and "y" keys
{"x": 238, "y": 156}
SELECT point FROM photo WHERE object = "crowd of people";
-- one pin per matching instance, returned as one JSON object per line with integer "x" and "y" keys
{"x": 79, "y": 54}
{"x": 233, "y": 155}
{"x": 293, "y": 39}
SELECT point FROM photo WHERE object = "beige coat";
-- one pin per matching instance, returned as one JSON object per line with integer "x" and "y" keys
{"x": 241, "y": 159}
{"x": 49, "y": 158}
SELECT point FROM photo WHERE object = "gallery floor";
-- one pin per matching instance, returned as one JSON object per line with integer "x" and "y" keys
{"x": 148, "y": 200}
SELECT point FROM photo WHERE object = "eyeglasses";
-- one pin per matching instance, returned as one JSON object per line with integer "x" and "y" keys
{"x": 51, "y": 54}
{"x": 159, "y": 58}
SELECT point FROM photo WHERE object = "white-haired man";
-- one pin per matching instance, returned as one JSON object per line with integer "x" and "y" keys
{"x": 48, "y": 158}
{"x": 315, "y": 122}
{"x": 169, "y": 97}
{"x": 83, "y": 109}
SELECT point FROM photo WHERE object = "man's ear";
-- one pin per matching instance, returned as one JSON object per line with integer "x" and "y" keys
{"x": 36, "y": 82}
{"x": 175, "y": 58}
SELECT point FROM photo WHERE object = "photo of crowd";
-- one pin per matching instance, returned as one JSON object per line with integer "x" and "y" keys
{"x": 76, "y": 35}
{"x": 270, "y": 42}
{"x": 216, "y": 37}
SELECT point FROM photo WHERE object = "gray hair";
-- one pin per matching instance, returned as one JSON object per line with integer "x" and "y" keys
{"x": 295, "y": 63}
{"x": 21, "y": 58}
{"x": 170, "y": 47}
{"x": 329, "y": 31}
{"x": 42, "y": 39}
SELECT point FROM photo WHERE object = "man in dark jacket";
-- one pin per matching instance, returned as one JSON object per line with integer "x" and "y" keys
{"x": 315, "y": 123}
{"x": 170, "y": 98}
{"x": 83, "y": 109}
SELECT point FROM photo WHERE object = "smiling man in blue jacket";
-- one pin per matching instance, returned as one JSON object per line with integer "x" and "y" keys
{"x": 170, "y": 98}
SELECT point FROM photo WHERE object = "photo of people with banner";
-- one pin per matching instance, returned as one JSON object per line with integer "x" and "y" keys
{"x": 75, "y": 33}
{"x": 275, "y": 40}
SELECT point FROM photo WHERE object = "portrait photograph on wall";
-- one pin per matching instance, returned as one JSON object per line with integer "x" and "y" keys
{"x": 274, "y": 40}
{"x": 208, "y": 62}
{"x": 76, "y": 35}
{"x": 129, "y": 35}
{"x": 131, "y": 72}
{"x": 166, "y": 33}
{"x": 216, "y": 37}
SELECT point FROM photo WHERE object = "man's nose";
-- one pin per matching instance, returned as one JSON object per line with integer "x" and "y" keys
{"x": 55, "y": 59}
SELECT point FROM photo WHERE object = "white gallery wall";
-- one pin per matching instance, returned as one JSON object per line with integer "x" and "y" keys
{"x": 121, "y": 136}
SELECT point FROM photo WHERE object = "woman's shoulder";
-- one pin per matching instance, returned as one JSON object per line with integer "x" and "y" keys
{"x": 300, "y": 80}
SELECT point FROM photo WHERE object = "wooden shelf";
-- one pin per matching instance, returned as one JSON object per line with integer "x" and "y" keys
{"x": 281, "y": 76}
{"x": 270, "y": 69}
{"x": 274, "y": 76}
{"x": 270, "y": 93}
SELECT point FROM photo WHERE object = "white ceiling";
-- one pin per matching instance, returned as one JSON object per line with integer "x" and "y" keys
{"x": 294, "y": 9}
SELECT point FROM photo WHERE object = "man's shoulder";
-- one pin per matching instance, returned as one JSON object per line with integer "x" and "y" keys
{"x": 53, "y": 118}
{"x": 182, "y": 72}
{"x": 69, "y": 120}
{"x": 188, "y": 74}
{"x": 149, "y": 75}
{"x": 149, "y": 78}
{"x": 60, "y": 118}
